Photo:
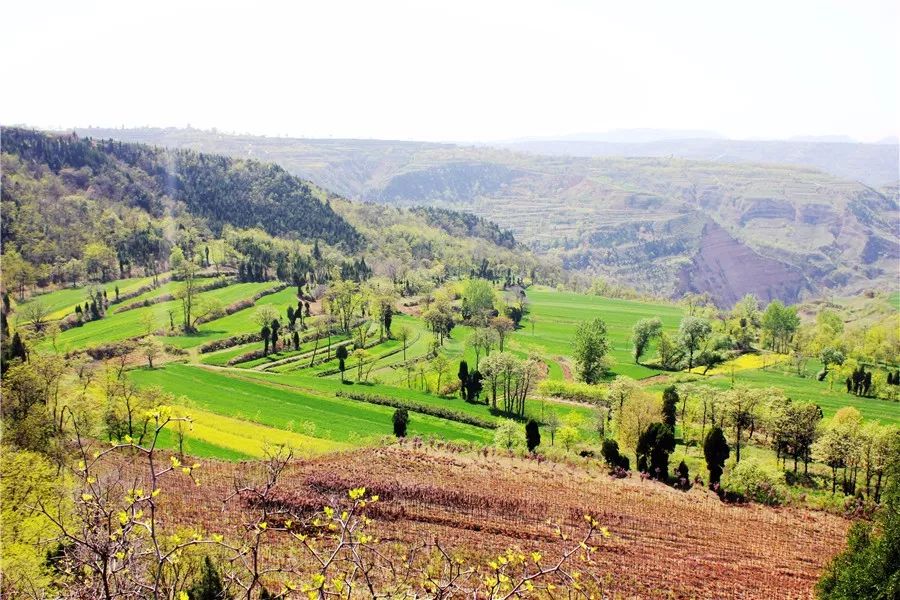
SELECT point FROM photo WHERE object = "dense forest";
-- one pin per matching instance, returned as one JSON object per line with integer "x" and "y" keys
{"x": 77, "y": 210}
{"x": 220, "y": 190}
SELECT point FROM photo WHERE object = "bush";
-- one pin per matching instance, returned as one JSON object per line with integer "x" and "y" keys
{"x": 613, "y": 458}
{"x": 753, "y": 482}
{"x": 508, "y": 435}
{"x": 573, "y": 390}
{"x": 450, "y": 389}
{"x": 105, "y": 351}
{"x": 434, "y": 411}
{"x": 230, "y": 342}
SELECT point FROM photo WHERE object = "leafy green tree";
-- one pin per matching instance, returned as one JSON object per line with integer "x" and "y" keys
{"x": 669, "y": 353}
{"x": 478, "y": 297}
{"x": 831, "y": 356}
{"x": 503, "y": 326}
{"x": 639, "y": 411}
{"x": 508, "y": 434}
{"x": 742, "y": 405}
{"x": 18, "y": 272}
{"x": 403, "y": 335}
{"x": 692, "y": 332}
{"x": 716, "y": 452}
{"x": 869, "y": 567}
{"x": 568, "y": 436}
{"x": 642, "y": 333}
{"x": 619, "y": 391}
{"x": 439, "y": 318}
{"x": 794, "y": 427}
{"x": 532, "y": 435}
{"x": 99, "y": 260}
{"x": 590, "y": 349}
{"x": 150, "y": 348}
{"x": 483, "y": 340}
{"x": 839, "y": 444}
{"x": 553, "y": 423}
{"x": 779, "y": 323}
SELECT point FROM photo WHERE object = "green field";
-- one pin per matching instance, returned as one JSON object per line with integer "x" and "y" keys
{"x": 120, "y": 326}
{"x": 241, "y": 321}
{"x": 237, "y": 410}
{"x": 557, "y": 314}
{"x": 807, "y": 389}
{"x": 318, "y": 415}
{"x": 60, "y": 303}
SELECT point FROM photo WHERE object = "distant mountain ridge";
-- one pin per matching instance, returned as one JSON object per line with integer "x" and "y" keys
{"x": 876, "y": 165}
{"x": 662, "y": 224}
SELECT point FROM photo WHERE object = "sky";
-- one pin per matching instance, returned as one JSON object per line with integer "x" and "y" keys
{"x": 459, "y": 70}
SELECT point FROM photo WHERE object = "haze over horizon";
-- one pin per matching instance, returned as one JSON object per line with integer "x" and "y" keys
{"x": 459, "y": 72}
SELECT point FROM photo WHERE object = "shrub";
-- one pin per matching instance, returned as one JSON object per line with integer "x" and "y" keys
{"x": 230, "y": 342}
{"x": 612, "y": 456}
{"x": 573, "y": 390}
{"x": 434, "y": 411}
{"x": 749, "y": 479}
{"x": 508, "y": 435}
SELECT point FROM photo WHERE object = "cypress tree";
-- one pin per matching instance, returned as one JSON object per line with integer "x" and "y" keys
{"x": 532, "y": 435}
{"x": 716, "y": 452}
{"x": 210, "y": 586}
{"x": 400, "y": 420}
{"x": 265, "y": 332}
{"x": 670, "y": 406}
{"x": 463, "y": 375}
{"x": 655, "y": 444}
{"x": 341, "y": 354}
{"x": 275, "y": 327}
{"x": 296, "y": 341}
{"x": 17, "y": 348}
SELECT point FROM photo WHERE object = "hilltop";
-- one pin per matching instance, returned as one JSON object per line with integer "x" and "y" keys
{"x": 663, "y": 225}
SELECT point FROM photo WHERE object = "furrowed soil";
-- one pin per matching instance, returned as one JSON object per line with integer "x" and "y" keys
{"x": 664, "y": 542}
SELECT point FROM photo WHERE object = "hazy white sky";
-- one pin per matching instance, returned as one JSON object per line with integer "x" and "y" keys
{"x": 457, "y": 70}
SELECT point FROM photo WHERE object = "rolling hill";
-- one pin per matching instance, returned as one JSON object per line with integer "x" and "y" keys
{"x": 665, "y": 225}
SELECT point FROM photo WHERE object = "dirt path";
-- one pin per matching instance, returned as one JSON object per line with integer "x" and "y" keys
{"x": 566, "y": 368}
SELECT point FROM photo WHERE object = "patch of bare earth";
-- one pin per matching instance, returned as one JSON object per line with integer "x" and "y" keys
{"x": 665, "y": 542}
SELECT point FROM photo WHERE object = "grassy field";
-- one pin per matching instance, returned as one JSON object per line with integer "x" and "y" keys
{"x": 269, "y": 404}
{"x": 131, "y": 323}
{"x": 241, "y": 321}
{"x": 556, "y": 315}
{"x": 61, "y": 302}
{"x": 807, "y": 389}
{"x": 237, "y": 410}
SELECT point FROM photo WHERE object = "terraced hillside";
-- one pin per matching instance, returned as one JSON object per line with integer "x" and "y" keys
{"x": 665, "y": 225}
